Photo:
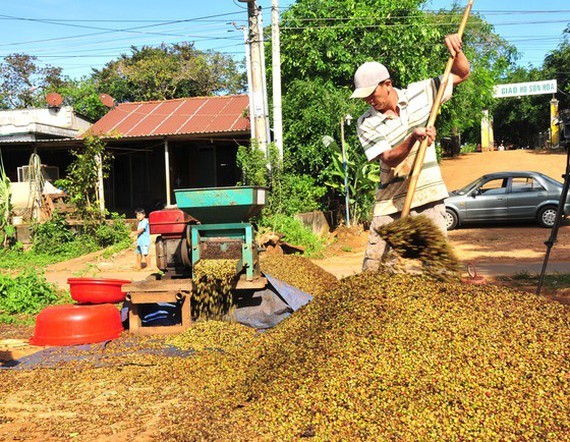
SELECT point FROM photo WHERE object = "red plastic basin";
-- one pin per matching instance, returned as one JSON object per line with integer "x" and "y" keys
{"x": 96, "y": 290}
{"x": 74, "y": 324}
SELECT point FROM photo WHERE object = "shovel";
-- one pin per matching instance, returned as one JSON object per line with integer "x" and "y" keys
{"x": 418, "y": 237}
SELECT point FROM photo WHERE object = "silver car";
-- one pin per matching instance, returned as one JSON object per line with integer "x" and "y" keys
{"x": 506, "y": 196}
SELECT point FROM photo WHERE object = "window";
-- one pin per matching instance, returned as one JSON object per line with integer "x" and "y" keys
{"x": 524, "y": 184}
{"x": 497, "y": 186}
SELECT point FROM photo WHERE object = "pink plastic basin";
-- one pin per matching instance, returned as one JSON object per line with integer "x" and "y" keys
{"x": 96, "y": 290}
{"x": 74, "y": 324}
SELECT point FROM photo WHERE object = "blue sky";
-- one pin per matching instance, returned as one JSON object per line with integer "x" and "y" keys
{"x": 78, "y": 35}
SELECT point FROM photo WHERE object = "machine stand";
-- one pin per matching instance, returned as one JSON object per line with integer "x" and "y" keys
{"x": 149, "y": 292}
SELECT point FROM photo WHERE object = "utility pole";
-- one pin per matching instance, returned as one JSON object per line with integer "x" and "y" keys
{"x": 276, "y": 64}
{"x": 258, "y": 113}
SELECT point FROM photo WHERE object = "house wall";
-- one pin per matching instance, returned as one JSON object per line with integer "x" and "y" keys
{"x": 137, "y": 177}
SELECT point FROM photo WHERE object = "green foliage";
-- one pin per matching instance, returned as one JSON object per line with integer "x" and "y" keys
{"x": 16, "y": 258}
{"x": 83, "y": 95}
{"x": 294, "y": 232}
{"x": 518, "y": 120}
{"x": 469, "y": 148}
{"x": 26, "y": 293}
{"x": 361, "y": 176}
{"x": 292, "y": 194}
{"x": 52, "y": 236}
{"x": 312, "y": 108}
{"x": 169, "y": 71}
{"x": 253, "y": 164}
{"x": 57, "y": 237}
{"x": 81, "y": 181}
{"x": 112, "y": 231}
{"x": 289, "y": 193}
{"x": 557, "y": 65}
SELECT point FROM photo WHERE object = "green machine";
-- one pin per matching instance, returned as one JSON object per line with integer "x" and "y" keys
{"x": 224, "y": 230}
{"x": 214, "y": 224}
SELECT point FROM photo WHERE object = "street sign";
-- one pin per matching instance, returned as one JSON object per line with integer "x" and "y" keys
{"x": 524, "y": 89}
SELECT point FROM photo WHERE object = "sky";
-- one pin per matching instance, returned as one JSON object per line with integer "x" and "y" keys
{"x": 80, "y": 35}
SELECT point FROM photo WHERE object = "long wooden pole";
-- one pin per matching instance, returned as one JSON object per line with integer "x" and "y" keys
{"x": 419, "y": 162}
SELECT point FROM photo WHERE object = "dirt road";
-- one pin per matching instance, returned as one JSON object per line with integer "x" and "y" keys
{"x": 460, "y": 171}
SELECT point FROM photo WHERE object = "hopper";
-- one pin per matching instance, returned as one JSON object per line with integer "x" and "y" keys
{"x": 217, "y": 205}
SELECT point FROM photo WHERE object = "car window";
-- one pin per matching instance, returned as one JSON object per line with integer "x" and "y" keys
{"x": 525, "y": 184}
{"x": 496, "y": 186}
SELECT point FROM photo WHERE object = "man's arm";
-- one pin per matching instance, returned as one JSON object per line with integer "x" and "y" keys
{"x": 398, "y": 153}
{"x": 460, "y": 69}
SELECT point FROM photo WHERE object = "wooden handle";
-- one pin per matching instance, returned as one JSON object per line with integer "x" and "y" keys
{"x": 421, "y": 153}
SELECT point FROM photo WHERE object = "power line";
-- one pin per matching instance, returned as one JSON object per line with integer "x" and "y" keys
{"x": 104, "y": 41}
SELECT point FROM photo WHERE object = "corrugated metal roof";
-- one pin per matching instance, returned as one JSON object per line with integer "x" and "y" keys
{"x": 183, "y": 116}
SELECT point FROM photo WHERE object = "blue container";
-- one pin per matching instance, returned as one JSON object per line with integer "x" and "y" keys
{"x": 216, "y": 205}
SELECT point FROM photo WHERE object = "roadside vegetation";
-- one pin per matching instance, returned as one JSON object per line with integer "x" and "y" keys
{"x": 24, "y": 291}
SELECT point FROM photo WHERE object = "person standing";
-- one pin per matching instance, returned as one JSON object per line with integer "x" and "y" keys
{"x": 390, "y": 132}
{"x": 143, "y": 238}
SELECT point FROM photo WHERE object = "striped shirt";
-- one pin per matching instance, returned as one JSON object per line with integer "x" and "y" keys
{"x": 379, "y": 133}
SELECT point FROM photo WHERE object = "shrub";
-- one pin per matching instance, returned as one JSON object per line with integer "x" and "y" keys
{"x": 291, "y": 194}
{"x": 26, "y": 293}
{"x": 112, "y": 231}
{"x": 52, "y": 236}
{"x": 294, "y": 231}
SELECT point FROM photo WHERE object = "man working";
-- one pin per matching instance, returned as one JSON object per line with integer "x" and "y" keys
{"x": 390, "y": 131}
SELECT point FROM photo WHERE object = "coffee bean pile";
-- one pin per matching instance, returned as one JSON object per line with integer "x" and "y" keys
{"x": 213, "y": 335}
{"x": 374, "y": 357}
{"x": 416, "y": 237}
{"x": 299, "y": 272}
{"x": 214, "y": 279}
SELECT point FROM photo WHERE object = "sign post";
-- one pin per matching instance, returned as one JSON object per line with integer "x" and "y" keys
{"x": 534, "y": 88}
{"x": 525, "y": 89}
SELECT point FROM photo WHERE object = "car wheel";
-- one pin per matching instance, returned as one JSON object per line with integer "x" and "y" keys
{"x": 547, "y": 216}
{"x": 451, "y": 219}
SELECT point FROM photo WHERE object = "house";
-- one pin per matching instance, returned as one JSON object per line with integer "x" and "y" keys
{"x": 50, "y": 133}
{"x": 160, "y": 146}
{"x": 157, "y": 146}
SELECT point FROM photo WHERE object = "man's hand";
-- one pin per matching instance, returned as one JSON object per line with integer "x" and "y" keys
{"x": 421, "y": 133}
{"x": 454, "y": 44}
{"x": 460, "y": 69}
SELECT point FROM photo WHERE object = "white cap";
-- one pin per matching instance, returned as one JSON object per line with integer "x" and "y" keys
{"x": 367, "y": 77}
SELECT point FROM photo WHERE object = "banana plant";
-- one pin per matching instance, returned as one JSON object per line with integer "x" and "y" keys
{"x": 355, "y": 174}
{"x": 7, "y": 230}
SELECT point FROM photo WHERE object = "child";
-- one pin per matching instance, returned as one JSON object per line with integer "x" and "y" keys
{"x": 143, "y": 239}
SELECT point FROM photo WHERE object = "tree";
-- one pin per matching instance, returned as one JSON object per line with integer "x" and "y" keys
{"x": 23, "y": 83}
{"x": 83, "y": 96}
{"x": 169, "y": 71}
{"x": 557, "y": 65}
{"x": 322, "y": 44}
{"x": 81, "y": 181}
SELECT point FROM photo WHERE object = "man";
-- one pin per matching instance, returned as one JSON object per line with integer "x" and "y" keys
{"x": 390, "y": 131}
